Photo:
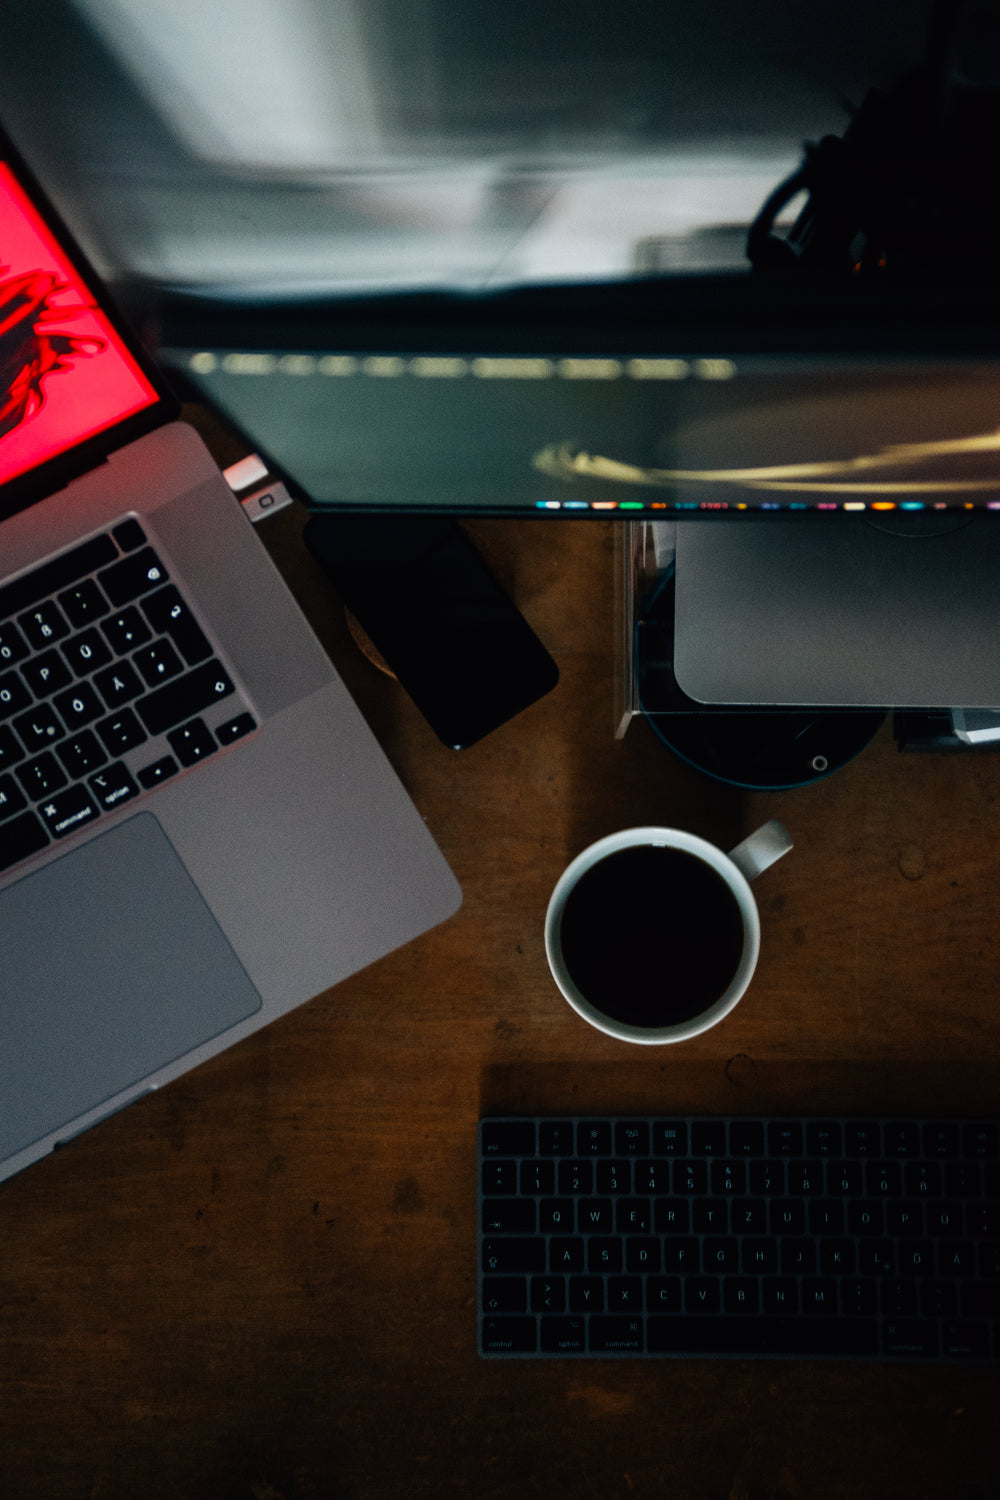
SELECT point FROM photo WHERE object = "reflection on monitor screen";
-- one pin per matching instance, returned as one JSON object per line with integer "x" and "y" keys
{"x": 665, "y": 435}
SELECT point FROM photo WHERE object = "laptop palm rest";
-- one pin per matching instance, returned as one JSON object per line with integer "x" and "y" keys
{"x": 127, "y": 970}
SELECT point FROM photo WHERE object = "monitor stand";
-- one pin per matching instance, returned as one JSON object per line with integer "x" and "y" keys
{"x": 839, "y": 611}
{"x": 752, "y": 747}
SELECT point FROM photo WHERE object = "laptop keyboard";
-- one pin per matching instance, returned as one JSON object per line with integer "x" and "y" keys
{"x": 771, "y": 1238}
{"x": 108, "y": 687}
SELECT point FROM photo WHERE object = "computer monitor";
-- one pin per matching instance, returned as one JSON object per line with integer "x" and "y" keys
{"x": 831, "y": 455}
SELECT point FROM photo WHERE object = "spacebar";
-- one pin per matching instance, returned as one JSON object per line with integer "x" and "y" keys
{"x": 708, "y": 1335}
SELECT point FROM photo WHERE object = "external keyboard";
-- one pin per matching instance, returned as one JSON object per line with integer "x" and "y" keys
{"x": 774, "y": 1238}
{"x": 108, "y": 687}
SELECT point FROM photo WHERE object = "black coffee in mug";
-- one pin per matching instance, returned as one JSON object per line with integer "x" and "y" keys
{"x": 652, "y": 936}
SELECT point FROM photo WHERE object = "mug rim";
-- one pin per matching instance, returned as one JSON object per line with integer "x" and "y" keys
{"x": 669, "y": 838}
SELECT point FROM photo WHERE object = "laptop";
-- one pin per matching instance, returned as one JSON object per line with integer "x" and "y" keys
{"x": 198, "y": 830}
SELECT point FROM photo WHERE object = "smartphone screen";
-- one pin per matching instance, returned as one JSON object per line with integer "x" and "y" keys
{"x": 451, "y": 635}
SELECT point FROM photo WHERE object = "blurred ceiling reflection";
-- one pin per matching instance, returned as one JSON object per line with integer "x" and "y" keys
{"x": 298, "y": 146}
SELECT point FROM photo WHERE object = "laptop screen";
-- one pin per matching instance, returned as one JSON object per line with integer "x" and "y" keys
{"x": 67, "y": 375}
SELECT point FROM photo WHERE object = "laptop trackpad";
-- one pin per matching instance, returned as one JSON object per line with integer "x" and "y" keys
{"x": 113, "y": 966}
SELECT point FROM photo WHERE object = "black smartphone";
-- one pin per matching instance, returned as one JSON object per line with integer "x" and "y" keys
{"x": 426, "y": 599}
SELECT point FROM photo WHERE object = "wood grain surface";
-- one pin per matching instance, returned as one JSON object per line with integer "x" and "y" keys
{"x": 259, "y": 1283}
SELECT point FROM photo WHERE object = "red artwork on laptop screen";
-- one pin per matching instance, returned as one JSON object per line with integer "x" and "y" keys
{"x": 64, "y": 373}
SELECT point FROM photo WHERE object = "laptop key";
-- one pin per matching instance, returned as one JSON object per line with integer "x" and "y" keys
{"x": 113, "y": 785}
{"x": 44, "y": 624}
{"x": 12, "y": 800}
{"x": 83, "y": 603}
{"x": 159, "y": 770}
{"x": 234, "y": 729}
{"x": 169, "y": 615}
{"x": 79, "y": 705}
{"x": 20, "y": 838}
{"x": 133, "y": 576}
{"x": 126, "y": 630}
{"x": 184, "y": 698}
{"x": 42, "y": 776}
{"x": 12, "y": 644}
{"x": 192, "y": 742}
{"x": 69, "y": 810}
{"x": 14, "y": 696}
{"x": 121, "y": 732}
{"x": 11, "y": 750}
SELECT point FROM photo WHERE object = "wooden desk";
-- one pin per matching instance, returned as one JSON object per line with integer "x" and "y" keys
{"x": 259, "y": 1284}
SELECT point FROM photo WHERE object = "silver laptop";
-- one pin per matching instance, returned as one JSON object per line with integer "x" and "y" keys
{"x": 198, "y": 831}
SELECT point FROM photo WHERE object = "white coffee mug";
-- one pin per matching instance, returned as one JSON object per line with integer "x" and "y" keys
{"x": 653, "y": 934}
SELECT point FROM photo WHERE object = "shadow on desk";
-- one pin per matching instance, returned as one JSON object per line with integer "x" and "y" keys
{"x": 662, "y": 1080}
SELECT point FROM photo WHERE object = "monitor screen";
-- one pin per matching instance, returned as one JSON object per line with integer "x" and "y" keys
{"x": 66, "y": 374}
{"x": 664, "y": 434}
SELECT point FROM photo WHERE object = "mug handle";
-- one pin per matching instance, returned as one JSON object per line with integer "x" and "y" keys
{"x": 761, "y": 849}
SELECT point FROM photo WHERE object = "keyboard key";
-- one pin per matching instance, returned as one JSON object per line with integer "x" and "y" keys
{"x": 556, "y": 1138}
{"x": 41, "y": 776}
{"x": 119, "y": 684}
{"x": 505, "y": 1294}
{"x": 499, "y": 1178}
{"x": 509, "y": 1138}
{"x": 113, "y": 786}
{"x": 14, "y": 695}
{"x": 564, "y": 1336}
{"x": 708, "y": 1138}
{"x": 516, "y": 1253}
{"x": 823, "y": 1138}
{"x": 129, "y": 534}
{"x": 509, "y": 1336}
{"x": 121, "y": 732}
{"x": 157, "y": 662}
{"x": 12, "y": 799}
{"x": 133, "y": 576}
{"x": 575, "y": 1178}
{"x": 157, "y": 771}
{"x": 632, "y": 1138}
{"x": 616, "y": 1336}
{"x": 83, "y": 604}
{"x": 909, "y": 1337}
{"x": 39, "y": 727}
{"x": 235, "y": 729}
{"x": 169, "y": 615}
{"x": 537, "y": 1178}
{"x": 126, "y": 630}
{"x": 764, "y": 1336}
{"x": 593, "y": 1138}
{"x": 79, "y": 705}
{"x": 47, "y": 673}
{"x": 746, "y": 1138}
{"x": 20, "y": 838}
{"x": 44, "y": 625}
{"x": 192, "y": 742}
{"x": 509, "y": 1216}
{"x": 13, "y": 646}
{"x": 80, "y": 755}
{"x": 185, "y": 697}
{"x": 784, "y": 1138}
{"x": 68, "y": 811}
{"x": 86, "y": 652}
